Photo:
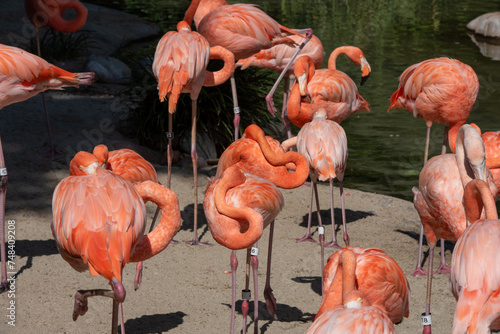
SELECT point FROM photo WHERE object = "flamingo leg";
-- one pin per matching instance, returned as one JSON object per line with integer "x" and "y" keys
{"x": 427, "y": 328}
{"x": 237, "y": 117}
{"x": 81, "y": 303}
{"x": 334, "y": 242}
{"x": 234, "y": 266}
{"x": 419, "y": 271}
{"x": 255, "y": 265}
{"x": 308, "y": 236}
{"x": 4, "y": 284}
{"x": 342, "y": 203}
{"x": 246, "y": 294}
{"x": 269, "y": 97}
{"x": 268, "y": 292}
{"x": 321, "y": 231}
{"x": 287, "y": 85}
{"x": 194, "y": 158}
{"x": 443, "y": 267}
{"x": 170, "y": 151}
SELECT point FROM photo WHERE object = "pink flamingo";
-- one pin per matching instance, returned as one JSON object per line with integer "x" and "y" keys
{"x": 355, "y": 313}
{"x": 98, "y": 225}
{"x": 474, "y": 278}
{"x": 438, "y": 197}
{"x": 327, "y": 88}
{"x": 180, "y": 66}
{"x": 244, "y": 30}
{"x": 22, "y": 76}
{"x": 439, "y": 90}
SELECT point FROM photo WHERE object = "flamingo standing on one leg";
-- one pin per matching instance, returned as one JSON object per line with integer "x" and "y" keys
{"x": 378, "y": 276}
{"x": 23, "y": 75}
{"x": 475, "y": 276}
{"x": 327, "y": 88}
{"x": 438, "y": 199}
{"x": 134, "y": 168}
{"x": 439, "y": 90}
{"x": 49, "y": 13}
{"x": 244, "y": 30}
{"x": 180, "y": 66}
{"x": 355, "y": 313}
{"x": 98, "y": 224}
{"x": 278, "y": 57}
{"x": 263, "y": 157}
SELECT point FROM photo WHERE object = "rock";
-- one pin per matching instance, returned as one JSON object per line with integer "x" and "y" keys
{"x": 109, "y": 69}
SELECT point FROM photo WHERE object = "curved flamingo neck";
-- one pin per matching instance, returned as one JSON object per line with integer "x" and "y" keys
{"x": 281, "y": 178}
{"x": 84, "y": 163}
{"x": 453, "y": 134}
{"x": 220, "y": 76}
{"x": 234, "y": 238}
{"x": 293, "y": 107}
{"x": 332, "y": 297}
{"x": 188, "y": 16}
{"x": 352, "y": 53}
{"x": 470, "y": 153}
{"x": 348, "y": 262}
{"x": 477, "y": 194}
{"x": 205, "y": 7}
{"x": 156, "y": 241}
{"x": 101, "y": 152}
{"x": 50, "y": 12}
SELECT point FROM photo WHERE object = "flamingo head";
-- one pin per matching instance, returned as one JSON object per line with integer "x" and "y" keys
{"x": 84, "y": 163}
{"x": 101, "y": 152}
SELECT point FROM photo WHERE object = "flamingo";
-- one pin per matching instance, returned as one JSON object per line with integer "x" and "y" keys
{"x": 474, "y": 278}
{"x": 355, "y": 313}
{"x": 378, "y": 276}
{"x": 24, "y": 75}
{"x": 438, "y": 199}
{"x": 327, "y": 88}
{"x": 278, "y": 57}
{"x": 131, "y": 166}
{"x": 49, "y": 13}
{"x": 258, "y": 157}
{"x": 180, "y": 66}
{"x": 439, "y": 90}
{"x": 244, "y": 30}
{"x": 98, "y": 225}
{"x": 324, "y": 144}
{"x": 487, "y": 25}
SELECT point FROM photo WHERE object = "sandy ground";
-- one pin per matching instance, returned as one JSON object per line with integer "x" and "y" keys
{"x": 185, "y": 288}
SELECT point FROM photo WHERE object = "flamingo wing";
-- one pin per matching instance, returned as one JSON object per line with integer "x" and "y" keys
{"x": 179, "y": 65}
{"x": 131, "y": 166}
{"x": 97, "y": 219}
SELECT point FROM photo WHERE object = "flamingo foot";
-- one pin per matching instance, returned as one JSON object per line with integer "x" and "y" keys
{"x": 333, "y": 244}
{"x": 81, "y": 306}
{"x": 174, "y": 242}
{"x": 138, "y": 276}
{"x": 307, "y": 237}
{"x": 4, "y": 286}
{"x": 419, "y": 272}
{"x": 443, "y": 269}
{"x": 270, "y": 301}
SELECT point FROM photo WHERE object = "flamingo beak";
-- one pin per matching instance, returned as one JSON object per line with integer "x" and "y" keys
{"x": 302, "y": 81}
{"x": 365, "y": 70}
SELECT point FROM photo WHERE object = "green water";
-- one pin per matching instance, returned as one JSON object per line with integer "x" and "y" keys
{"x": 385, "y": 149}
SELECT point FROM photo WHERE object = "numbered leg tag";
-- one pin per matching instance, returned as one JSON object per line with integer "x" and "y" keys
{"x": 236, "y": 110}
{"x": 170, "y": 135}
{"x": 246, "y": 294}
{"x": 321, "y": 229}
{"x": 254, "y": 251}
{"x": 426, "y": 319}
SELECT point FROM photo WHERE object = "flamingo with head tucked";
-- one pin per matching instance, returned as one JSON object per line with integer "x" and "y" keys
{"x": 329, "y": 88}
{"x": 98, "y": 224}
{"x": 439, "y": 90}
{"x": 244, "y": 30}
{"x": 438, "y": 198}
{"x": 180, "y": 66}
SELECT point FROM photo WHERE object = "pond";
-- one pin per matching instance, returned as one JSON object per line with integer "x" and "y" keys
{"x": 385, "y": 149}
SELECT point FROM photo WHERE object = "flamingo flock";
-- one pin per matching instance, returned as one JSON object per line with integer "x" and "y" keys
{"x": 99, "y": 209}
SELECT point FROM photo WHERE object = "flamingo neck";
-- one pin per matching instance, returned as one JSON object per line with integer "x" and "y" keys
{"x": 294, "y": 106}
{"x": 332, "y": 297}
{"x": 188, "y": 16}
{"x": 205, "y": 7}
{"x": 470, "y": 155}
{"x": 453, "y": 134}
{"x": 349, "y": 51}
{"x": 220, "y": 76}
{"x": 348, "y": 262}
{"x": 49, "y": 13}
{"x": 282, "y": 178}
{"x": 157, "y": 240}
{"x": 477, "y": 195}
{"x": 233, "y": 237}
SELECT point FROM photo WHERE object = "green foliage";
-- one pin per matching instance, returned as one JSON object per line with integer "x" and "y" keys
{"x": 55, "y": 45}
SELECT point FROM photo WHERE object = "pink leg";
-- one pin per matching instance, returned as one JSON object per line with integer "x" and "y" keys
{"x": 443, "y": 267}
{"x": 287, "y": 84}
{"x": 334, "y": 242}
{"x": 246, "y": 294}
{"x": 268, "y": 292}
{"x": 342, "y": 203}
{"x": 427, "y": 328}
{"x": 194, "y": 158}
{"x": 4, "y": 284}
{"x": 170, "y": 151}
{"x": 234, "y": 266}
{"x": 255, "y": 264}
{"x": 308, "y": 236}
{"x": 269, "y": 97}
{"x": 419, "y": 271}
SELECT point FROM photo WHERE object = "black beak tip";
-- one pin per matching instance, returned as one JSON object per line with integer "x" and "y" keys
{"x": 363, "y": 79}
